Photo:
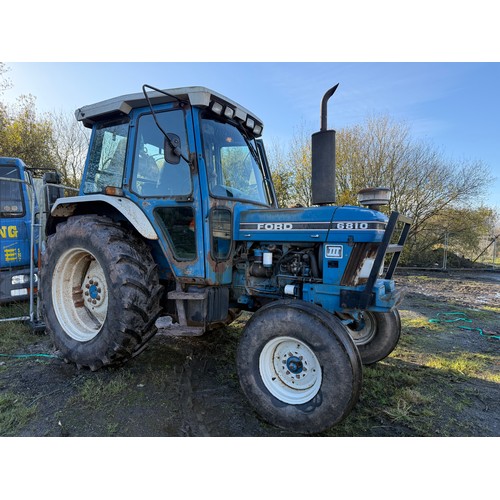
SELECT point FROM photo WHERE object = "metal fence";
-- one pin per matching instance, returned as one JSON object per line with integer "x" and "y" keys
{"x": 445, "y": 254}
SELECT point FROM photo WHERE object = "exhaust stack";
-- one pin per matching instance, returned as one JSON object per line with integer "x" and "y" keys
{"x": 323, "y": 158}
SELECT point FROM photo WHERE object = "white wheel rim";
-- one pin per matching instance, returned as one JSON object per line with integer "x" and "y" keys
{"x": 364, "y": 335}
{"x": 290, "y": 370}
{"x": 79, "y": 294}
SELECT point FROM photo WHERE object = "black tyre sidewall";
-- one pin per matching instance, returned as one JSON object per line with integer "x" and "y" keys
{"x": 123, "y": 327}
{"x": 337, "y": 355}
{"x": 385, "y": 340}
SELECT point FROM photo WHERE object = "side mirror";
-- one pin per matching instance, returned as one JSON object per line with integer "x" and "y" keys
{"x": 172, "y": 148}
{"x": 52, "y": 192}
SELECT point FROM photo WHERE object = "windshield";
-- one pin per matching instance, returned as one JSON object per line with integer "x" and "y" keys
{"x": 233, "y": 165}
{"x": 11, "y": 198}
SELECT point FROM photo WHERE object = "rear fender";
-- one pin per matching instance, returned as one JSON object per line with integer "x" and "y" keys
{"x": 78, "y": 205}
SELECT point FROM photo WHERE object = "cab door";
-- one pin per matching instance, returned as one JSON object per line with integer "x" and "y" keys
{"x": 166, "y": 185}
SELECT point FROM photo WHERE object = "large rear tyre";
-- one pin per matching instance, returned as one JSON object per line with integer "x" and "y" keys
{"x": 299, "y": 367}
{"x": 376, "y": 334}
{"x": 100, "y": 291}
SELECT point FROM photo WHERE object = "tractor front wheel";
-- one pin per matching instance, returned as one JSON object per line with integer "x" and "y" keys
{"x": 299, "y": 369}
{"x": 375, "y": 334}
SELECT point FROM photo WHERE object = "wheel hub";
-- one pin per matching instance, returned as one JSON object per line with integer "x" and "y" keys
{"x": 290, "y": 370}
{"x": 294, "y": 364}
{"x": 93, "y": 291}
{"x": 363, "y": 329}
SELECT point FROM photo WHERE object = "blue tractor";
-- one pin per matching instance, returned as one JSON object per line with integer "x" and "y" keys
{"x": 177, "y": 227}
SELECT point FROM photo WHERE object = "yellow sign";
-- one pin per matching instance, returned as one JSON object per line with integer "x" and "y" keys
{"x": 8, "y": 231}
{"x": 12, "y": 254}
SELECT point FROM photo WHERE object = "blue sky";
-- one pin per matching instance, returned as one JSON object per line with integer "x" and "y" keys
{"x": 455, "y": 106}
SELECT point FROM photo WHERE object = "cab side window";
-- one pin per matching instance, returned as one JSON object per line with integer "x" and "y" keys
{"x": 107, "y": 157}
{"x": 153, "y": 176}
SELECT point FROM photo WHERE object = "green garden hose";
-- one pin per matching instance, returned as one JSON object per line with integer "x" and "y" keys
{"x": 461, "y": 316}
{"x": 29, "y": 356}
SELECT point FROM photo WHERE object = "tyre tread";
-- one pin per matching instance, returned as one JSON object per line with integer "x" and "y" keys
{"x": 132, "y": 271}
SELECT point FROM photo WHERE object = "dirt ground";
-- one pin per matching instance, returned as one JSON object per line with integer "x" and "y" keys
{"x": 189, "y": 387}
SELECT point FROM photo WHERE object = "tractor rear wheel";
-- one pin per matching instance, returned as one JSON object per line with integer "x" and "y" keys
{"x": 298, "y": 366}
{"x": 100, "y": 291}
{"x": 376, "y": 334}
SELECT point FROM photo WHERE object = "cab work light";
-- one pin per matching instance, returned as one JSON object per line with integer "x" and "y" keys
{"x": 217, "y": 108}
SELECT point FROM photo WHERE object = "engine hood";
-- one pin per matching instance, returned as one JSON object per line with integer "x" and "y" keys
{"x": 313, "y": 224}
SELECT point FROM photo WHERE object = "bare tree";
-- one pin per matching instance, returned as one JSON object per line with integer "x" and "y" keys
{"x": 291, "y": 170}
{"x": 4, "y": 85}
{"x": 434, "y": 191}
{"x": 70, "y": 145}
{"x": 282, "y": 174}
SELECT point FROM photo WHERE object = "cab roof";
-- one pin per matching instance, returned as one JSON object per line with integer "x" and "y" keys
{"x": 6, "y": 160}
{"x": 196, "y": 96}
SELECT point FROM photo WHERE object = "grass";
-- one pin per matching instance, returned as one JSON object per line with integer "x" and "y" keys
{"x": 466, "y": 364}
{"x": 422, "y": 322}
{"x": 420, "y": 278}
{"x": 95, "y": 391}
{"x": 492, "y": 309}
{"x": 14, "y": 310}
{"x": 15, "y": 413}
{"x": 14, "y": 335}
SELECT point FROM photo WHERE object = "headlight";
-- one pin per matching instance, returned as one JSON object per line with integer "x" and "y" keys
{"x": 20, "y": 279}
{"x": 366, "y": 268}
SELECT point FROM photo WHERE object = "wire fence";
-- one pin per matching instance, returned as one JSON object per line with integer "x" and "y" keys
{"x": 445, "y": 254}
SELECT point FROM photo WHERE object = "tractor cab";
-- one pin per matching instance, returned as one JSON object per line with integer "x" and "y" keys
{"x": 186, "y": 157}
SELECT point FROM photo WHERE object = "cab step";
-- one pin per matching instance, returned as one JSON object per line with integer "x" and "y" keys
{"x": 166, "y": 327}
